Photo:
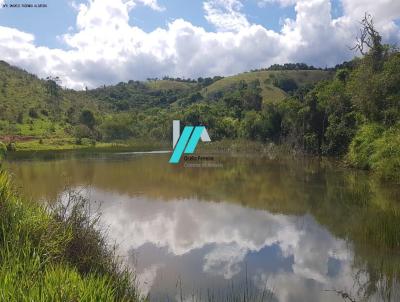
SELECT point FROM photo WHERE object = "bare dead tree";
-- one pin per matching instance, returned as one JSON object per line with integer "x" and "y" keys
{"x": 369, "y": 43}
{"x": 368, "y": 38}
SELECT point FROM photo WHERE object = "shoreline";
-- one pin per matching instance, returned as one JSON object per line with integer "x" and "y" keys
{"x": 32, "y": 149}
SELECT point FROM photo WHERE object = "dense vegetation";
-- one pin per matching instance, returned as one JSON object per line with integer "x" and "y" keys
{"x": 56, "y": 255}
{"x": 349, "y": 111}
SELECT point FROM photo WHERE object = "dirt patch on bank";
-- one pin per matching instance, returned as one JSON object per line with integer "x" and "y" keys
{"x": 16, "y": 138}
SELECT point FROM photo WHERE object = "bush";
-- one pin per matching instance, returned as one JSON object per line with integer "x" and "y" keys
{"x": 87, "y": 118}
{"x": 251, "y": 126}
{"x": 20, "y": 118}
{"x": 117, "y": 128}
{"x": 385, "y": 161}
{"x": 86, "y": 142}
{"x": 11, "y": 147}
{"x": 286, "y": 84}
{"x": 377, "y": 149}
{"x": 362, "y": 146}
{"x": 3, "y": 151}
{"x": 226, "y": 128}
{"x": 82, "y": 131}
{"x": 33, "y": 113}
{"x": 311, "y": 143}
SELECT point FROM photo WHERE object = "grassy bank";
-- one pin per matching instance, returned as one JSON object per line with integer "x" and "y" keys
{"x": 56, "y": 255}
{"x": 67, "y": 144}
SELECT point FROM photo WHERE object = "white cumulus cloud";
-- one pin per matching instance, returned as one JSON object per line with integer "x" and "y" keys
{"x": 105, "y": 48}
{"x": 225, "y": 15}
{"x": 283, "y": 3}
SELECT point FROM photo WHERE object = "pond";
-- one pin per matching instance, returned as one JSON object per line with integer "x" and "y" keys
{"x": 246, "y": 229}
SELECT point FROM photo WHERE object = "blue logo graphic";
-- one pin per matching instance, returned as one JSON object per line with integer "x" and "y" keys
{"x": 186, "y": 142}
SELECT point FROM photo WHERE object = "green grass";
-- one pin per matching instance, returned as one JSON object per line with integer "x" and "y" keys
{"x": 19, "y": 89}
{"x": 57, "y": 144}
{"x": 56, "y": 255}
{"x": 52, "y": 148}
{"x": 40, "y": 128}
{"x": 270, "y": 93}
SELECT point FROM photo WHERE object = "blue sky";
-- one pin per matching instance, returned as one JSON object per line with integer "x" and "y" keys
{"x": 47, "y": 24}
{"x": 95, "y": 42}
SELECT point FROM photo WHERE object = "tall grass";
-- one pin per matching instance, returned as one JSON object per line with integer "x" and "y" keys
{"x": 377, "y": 149}
{"x": 242, "y": 291}
{"x": 3, "y": 151}
{"x": 56, "y": 255}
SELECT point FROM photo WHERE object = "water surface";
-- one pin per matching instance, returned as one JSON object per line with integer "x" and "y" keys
{"x": 253, "y": 229}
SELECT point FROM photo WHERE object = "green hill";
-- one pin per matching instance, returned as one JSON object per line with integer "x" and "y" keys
{"x": 270, "y": 92}
{"x": 30, "y": 106}
{"x": 135, "y": 95}
{"x": 169, "y": 85}
{"x": 19, "y": 90}
{"x": 27, "y": 100}
{"x": 40, "y": 111}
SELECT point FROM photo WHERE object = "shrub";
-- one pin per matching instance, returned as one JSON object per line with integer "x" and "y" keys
{"x": 87, "y": 142}
{"x": 117, "y": 128}
{"x": 82, "y": 131}
{"x": 3, "y": 151}
{"x": 251, "y": 125}
{"x": 226, "y": 128}
{"x": 20, "y": 118}
{"x": 11, "y": 147}
{"x": 286, "y": 84}
{"x": 311, "y": 142}
{"x": 33, "y": 113}
{"x": 362, "y": 146}
{"x": 78, "y": 141}
{"x": 87, "y": 118}
{"x": 386, "y": 158}
{"x": 377, "y": 149}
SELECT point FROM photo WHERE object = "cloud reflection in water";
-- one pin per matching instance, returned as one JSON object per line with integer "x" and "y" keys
{"x": 206, "y": 244}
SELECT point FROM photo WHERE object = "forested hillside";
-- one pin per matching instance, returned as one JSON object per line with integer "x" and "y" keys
{"x": 41, "y": 108}
{"x": 274, "y": 84}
